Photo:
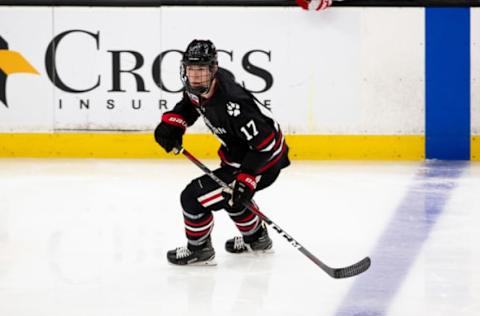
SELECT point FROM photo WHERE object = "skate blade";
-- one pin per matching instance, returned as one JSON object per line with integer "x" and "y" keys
{"x": 208, "y": 263}
{"x": 261, "y": 252}
{"x": 252, "y": 253}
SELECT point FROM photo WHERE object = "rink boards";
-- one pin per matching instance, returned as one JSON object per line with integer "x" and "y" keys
{"x": 350, "y": 83}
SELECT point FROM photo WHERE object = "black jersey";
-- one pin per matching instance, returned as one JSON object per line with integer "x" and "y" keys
{"x": 251, "y": 139}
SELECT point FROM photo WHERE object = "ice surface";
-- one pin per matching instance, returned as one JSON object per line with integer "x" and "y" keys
{"x": 89, "y": 237}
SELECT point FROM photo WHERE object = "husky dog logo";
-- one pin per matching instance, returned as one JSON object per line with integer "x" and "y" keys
{"x": 11, "y": 62}
{"x": 233, "y": 109}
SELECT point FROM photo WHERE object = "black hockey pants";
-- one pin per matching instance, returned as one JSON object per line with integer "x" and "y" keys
{"x": 203, "y": 195}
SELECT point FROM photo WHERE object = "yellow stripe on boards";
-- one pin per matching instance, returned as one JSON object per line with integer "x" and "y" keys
{"x": 475, "y": 148}
{"x": 98, "y": 145}
{"x": 205, "y": 146}
{"x": 356, "y": 147}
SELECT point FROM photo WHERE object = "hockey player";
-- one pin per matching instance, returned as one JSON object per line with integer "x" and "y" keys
{"x": 252, "y": 153}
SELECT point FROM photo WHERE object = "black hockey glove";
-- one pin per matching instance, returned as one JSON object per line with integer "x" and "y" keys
{"x": 169, "y": 132}
{"x": 243, "y": 191}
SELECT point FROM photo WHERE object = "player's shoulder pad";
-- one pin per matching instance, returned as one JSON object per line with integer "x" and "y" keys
{"x": 232, "y": 89}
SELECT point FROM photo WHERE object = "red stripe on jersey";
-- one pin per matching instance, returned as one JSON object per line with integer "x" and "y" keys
{"x": 225, "y": 161}
{"x": 266, "y": 141}
{"x": 222, "y": 155}
{"x": 279, "y": 141}
{"x": 274, "y": 161}
{"x": 202, "y": 223}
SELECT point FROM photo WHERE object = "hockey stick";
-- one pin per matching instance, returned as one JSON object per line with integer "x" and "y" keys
{"x": 336, "y": 273}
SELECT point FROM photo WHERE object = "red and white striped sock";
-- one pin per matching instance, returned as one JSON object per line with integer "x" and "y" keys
{"x": 198, "y": 228}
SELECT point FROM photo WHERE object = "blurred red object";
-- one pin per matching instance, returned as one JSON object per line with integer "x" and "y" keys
{"x": 316, "y": 5}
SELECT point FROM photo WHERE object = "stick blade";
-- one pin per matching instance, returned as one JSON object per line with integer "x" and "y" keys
{"x": 350, "y": 271}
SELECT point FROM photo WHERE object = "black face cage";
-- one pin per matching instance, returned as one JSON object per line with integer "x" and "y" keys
{"x": 186, "y": 84}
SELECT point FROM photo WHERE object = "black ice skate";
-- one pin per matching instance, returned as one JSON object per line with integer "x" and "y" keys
{"x": 202, "y": 255}
{"x": 239, "y": 244}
